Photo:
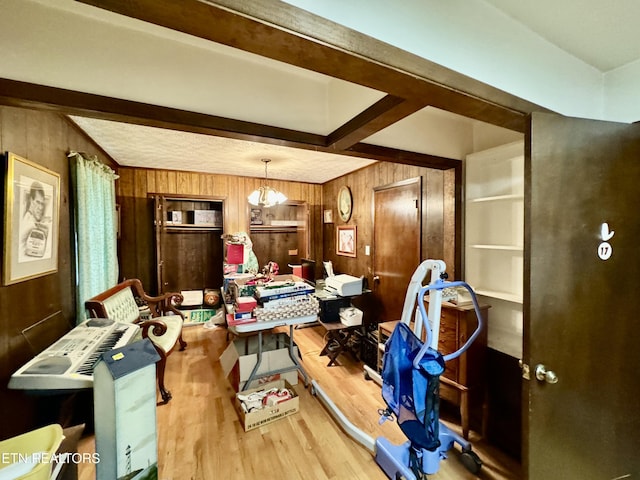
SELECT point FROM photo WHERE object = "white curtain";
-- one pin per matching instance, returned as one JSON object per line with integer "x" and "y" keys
{"x": 95, "y": 228}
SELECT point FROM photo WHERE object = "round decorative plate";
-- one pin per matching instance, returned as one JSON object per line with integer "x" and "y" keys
{"x": 345, "y": 203}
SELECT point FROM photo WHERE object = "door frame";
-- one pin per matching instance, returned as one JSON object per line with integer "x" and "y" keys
{"x": 401, "y": 183}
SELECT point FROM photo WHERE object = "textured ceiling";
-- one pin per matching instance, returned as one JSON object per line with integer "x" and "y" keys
{"x": 149, "y": 147}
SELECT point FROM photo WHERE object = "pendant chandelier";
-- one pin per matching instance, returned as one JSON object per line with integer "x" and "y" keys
{"x": 266, "y": 196}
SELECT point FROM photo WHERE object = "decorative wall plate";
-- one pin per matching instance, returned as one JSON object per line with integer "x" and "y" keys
{"x": 345, "y": 203}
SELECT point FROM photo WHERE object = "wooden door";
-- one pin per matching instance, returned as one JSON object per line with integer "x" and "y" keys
{"x": 396, "y": 242}
{"x": 581, "y": 300}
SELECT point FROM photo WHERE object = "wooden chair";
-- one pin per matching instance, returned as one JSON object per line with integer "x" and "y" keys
{"x": 159, "y": 320}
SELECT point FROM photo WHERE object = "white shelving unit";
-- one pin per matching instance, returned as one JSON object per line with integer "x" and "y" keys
{"x": 494, "y": 239}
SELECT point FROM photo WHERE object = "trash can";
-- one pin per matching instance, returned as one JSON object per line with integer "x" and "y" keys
{"x": 28, "y": 456}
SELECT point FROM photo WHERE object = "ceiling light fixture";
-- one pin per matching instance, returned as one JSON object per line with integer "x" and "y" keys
{"x": 266, "y": 196}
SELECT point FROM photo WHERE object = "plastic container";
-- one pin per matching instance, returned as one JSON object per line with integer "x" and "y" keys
{"x": 28, "y": 456}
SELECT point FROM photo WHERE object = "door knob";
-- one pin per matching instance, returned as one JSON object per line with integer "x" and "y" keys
{"x": 545, "y": 375}
{"x": 376, "y": 278}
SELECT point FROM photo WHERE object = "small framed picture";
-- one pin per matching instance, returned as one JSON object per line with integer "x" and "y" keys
{"x": 346, "y": 240}
{"x": 256, "y": 216}
{"x": 31, "y": 216}
{"x": 345, "y": 203}
{"x": 328, "y": 216}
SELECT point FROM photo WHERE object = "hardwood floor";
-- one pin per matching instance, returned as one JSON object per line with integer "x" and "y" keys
{"x": 200, "y": 436}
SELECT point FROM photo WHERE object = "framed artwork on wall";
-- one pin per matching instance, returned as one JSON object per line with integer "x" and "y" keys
{"x": 345, "y": 203}
{"x": 346, "y": 240}
{"x": 256, "y": 216}
{"x": 328, "y": 216}
{"x": 31, "y": 220}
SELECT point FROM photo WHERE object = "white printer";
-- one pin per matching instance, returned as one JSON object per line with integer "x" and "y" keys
{"x": 343, "y": 285}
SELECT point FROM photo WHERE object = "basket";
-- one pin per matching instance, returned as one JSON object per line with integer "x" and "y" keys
{"x": 28, "y": 456}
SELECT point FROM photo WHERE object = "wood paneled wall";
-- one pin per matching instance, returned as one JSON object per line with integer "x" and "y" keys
{"x": 46, "y": 139}
{"x": 137, "y": 242}
{"x": 439, "y": 234}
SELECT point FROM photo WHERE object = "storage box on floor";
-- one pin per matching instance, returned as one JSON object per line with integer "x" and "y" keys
{"x": 240, "y": 357}
{"x": 268, "y": 414}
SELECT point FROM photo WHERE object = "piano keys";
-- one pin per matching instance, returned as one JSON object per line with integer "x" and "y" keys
{"x": 68, "y": 363}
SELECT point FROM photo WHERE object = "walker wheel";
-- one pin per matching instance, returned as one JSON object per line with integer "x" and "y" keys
{"x": 471, "y": 461}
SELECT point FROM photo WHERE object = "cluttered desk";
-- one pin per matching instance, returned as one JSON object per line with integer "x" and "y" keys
{"x": 297, "y": 301}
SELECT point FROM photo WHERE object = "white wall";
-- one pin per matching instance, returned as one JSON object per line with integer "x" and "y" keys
{"x": 622, "y": 93}
{"x": 474, "y": 38}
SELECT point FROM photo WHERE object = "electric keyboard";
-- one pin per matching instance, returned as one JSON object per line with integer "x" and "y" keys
{"x": 68, "y": 363}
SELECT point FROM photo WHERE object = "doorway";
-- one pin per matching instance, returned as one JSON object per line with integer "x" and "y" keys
{"x": 396, "y": 240}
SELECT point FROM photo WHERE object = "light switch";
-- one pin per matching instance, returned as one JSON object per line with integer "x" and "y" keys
{"x": 367, "y": 250}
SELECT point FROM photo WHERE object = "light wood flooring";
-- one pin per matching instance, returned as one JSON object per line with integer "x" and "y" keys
{"x": 200, "y": 436}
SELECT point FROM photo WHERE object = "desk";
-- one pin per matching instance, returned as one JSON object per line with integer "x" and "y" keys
{"x": 339, "y": 339}
{"x": 259, "y": 328}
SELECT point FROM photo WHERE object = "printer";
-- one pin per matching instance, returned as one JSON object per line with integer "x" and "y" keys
{"x": 343, "y": 285}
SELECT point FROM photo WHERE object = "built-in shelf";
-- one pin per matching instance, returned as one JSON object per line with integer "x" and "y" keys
{"x": 280, "y": 234}
{"x": 497, "y": 198}
{"x": 188, "y": 228}
{"x": 510, "y": 297}
{"x": 192, "y": 225}
{"x": 494, "y": 237}
{"x": 515, "y": 248}
{"x": 273, "y": 228}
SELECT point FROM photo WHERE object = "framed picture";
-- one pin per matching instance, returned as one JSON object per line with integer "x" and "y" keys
{"x": 256, "y": 216}
{"x": 328, "y": 216}
{"x": 31, "y": 225}
{"x": 345, "y": 203}
{"x": 346, "y": 240}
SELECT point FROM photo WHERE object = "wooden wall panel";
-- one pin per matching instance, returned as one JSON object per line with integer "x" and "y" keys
{"x": 46, "y": 139}
{"x": 438, "y": 215}
{"x": 137, "y": 244}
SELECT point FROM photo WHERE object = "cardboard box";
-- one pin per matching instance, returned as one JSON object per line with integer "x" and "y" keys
{"x": 239, "y": 358}
{"x": 174, "y": 217}
{"x": 200, "y": 315}
{"x": 245, "y": 304}
{"x": 258, "y": 418}
{"x": 233, "y": 320}
{"x": 205, "y": 217}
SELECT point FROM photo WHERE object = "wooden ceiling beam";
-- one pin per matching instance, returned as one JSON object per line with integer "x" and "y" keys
{"x": 68, "y": 102}
{"x": 288, "y": 34}
{"x": 378, "y": 116}
{"x": 375, "y": 152}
